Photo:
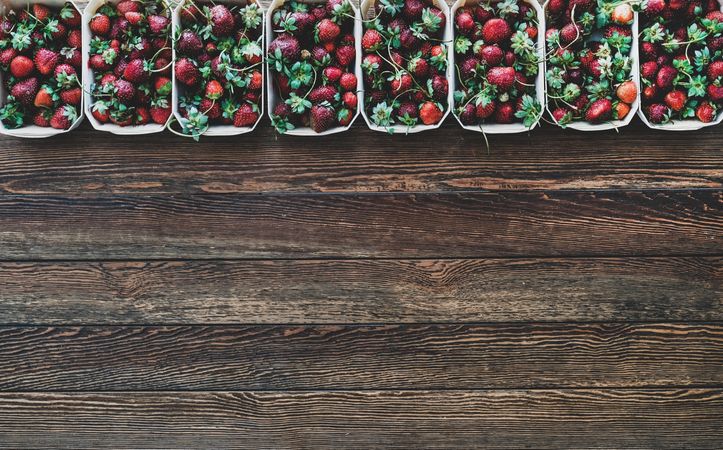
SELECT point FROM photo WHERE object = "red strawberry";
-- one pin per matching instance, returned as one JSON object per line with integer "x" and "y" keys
{"x": 256, "y": 81}
{"x": 649, "y": 70}
{"x": 715, "y": 93}
{"x": 42, "y": 118}
{"x": 100, "y": 24}
{"x": 413, "y": 10}
{"x": 321, "y": 117}
{"x": 562, "y": 116}
{"x": 41, "y": 12}
{"x": 186, "y": 72}
{"x": 649, "y": 51}
{"x": 496, "y": 30}
{"x": 505, "y": 113}
{"x": 327, "y": 30}
{"x": 96, "y": 62}
{"x": 440, "y": 87}
{"x": 70, "y": 16}
{"x": 8, "y": 54}
{"x": 705, "y": 112}
{"x": 332, "y": 73}
{"x": 133, "y": 17}
{"x": 467, "y": 114}
{"x": 430, "y": 113}
{"x": 124, "y": 91}
{"x": 650, "y": 92}
{"x": 418, "y": 67}
{"x": 623, "y": 14}
{"x": 44, "y": 98}
{"x": 464, "y": 22}
{"x": 599, "y": 111}
{"x": 211, "y": 108}
{"x": 160, "y": 114}
{"x": 213, "y": 90}
{"x": 371, "y": 40}
{"x": 21, "y": 66}
{"x": 502, "y": 77}
{"x": 665, "y": 77}
{"x": 485, "y": 109}
{"x": 570, "y": 33}
{"x": 45, "y": 60}
{"x": 24, "y": 91}
{"x": 101, "y": 114}
{"x": 350, "y": 100}
{"x": 142, "y": 116}
{"x": 348, "y": 82}
{"x": 222, "y": 23}
{"x": 126, "y": 6}
{"x": 162, "y": 85}
{"x": 323, "y": 93}
{"x": 246, "y": 115}
{"x": 402, "y": 82}
{"x": 190, "y": 14}
{"x": 654, "y": 8}
{"x": 136, "y": 71}
{"x": 627, "y": 91}
{"x": 657, "y": 113}
{"x": 676, "y": 100}
{"x": 74, "y": 39}
{"x": 492, "y": 55}
{"x": 63, "y": 117}
{"x": 287, "y": 45}
{"x": 715, "y": 70}
{"x": 71, "y": 96}
{"x": 159, "y": 24}
{"x": 345, "y": 55}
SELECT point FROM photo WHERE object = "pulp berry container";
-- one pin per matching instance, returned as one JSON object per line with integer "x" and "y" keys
{"x": 678, "y": 125}
{"x": 368, "y": 5}
{"x": 499, "y": 128}
{"x": 272, "y": 96}
{"x": 88, "y": 79}
{"x": 215, "y": 130}
{"x": 34, "y": 131}
{"x": 582, "y": 125}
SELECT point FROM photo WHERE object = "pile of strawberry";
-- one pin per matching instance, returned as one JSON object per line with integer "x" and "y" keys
{"x": 495, "y": 48}
{"x": 130, "y": 55}
{"x": 405, "y": 64}
{"x": 40, "y": 55}
{"x": 589, "y": 74}
{"x": 681, "y": 60}
{"x": 312, "y": 58}
{"x": 218, "y": 65}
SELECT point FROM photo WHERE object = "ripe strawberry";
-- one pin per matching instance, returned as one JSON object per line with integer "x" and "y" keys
{"x": 402, "y": 82}
{"x": 705, "y": 112}
{"x": 496, "y": 30}
{"x": 24, "y": 91}
{"x": 41, "y": 12}
{"x": 715, "y": 70}
{"x": 124, "y": 91}
{"x": 332, "y": 73}
{"x": 142, "y": 116}
{"x": 100, "y": 24}
{"x": 74, "y": 39}
{"x": 715, "y": 93}
{"x": 44, "y": 98}
{"x": 413, "y": 9}
{"x": 430, "y": 113}
{"x": 505, "y": 113}
{"x": 162, "y": 85}
{"x": 321, "y": 117}
{"x": 100, "y": 112}
{"x": 665, "y": 77}
{"x": 418, "y": 67}
{"x": 570, "y": 33}
{"x": 650, "y": 92}
{"x": 222, "y": 22}
{"x": 70, "y": 16}
{"x": 324, "y": 93}
{"x": 287, "y": 45}
{"x": 160, "y": 114}
{"x": 599, "y": 111}
{"x": 350, "y": 100}
{"x": 71, "y": 96}
{"x": 348, "y": 82}
{"x": 8, "y": 54}
{"x": 464, "y": 22}
{"x": 136, "y": 71}
{"x": 63, "y": 117}
{"x": 126, "y": 6}
{"x": 42, "y": 118}
{"x": 371, "y": 40}
{"x": 256, "y": 81}
{"x": 676, "y": 100}
{"x": 159, "y": 24}
{"x": 21, "y": 66}
{"x": 345, "y": 55}
{"x": 621, "y": 111}
{"x": 327, "y": 31}
{"x": 186, "y": 72}
{"x": 344, "y": 117}
{"x": 492, "y": 55}
{"x": 467, "y": 114}
{"x": 502, "y": 77}
{"x": 653, "y": 8}
{"x": 658, "y": 113}
{"x": 440, "y": 87}
{"x": 649, "y": 70}
{"x": 485, "y": 109}
{"x": 213, "y": 90}
{"x": 562, "y": 115}
{"x": 45, "y": 60}
{"x": 627, "y": 92}
{"x": 133, "y": 17}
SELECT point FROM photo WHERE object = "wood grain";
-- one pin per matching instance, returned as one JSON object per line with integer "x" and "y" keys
{"x": 87, "y": 162}
{"x": 629, "y": 223}
{"x": 340, "y": 357}
{"x": 362, "y": 291}
{"x": 490, "y": 419}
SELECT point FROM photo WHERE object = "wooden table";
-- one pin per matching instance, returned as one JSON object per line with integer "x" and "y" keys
{"x": 562, "y": 290}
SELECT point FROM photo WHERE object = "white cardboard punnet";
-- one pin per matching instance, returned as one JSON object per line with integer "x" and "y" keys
{"x": 582, "y": 125}
{"x": 447, "y": 37}
{"x": 217, "y": 130}
{"x": 88, "y": 80}
{"x": 499, "y": 128}
{"x": 679, "y": 125}
{"x": 273, "y": 97}
{"x": 34, "y": 131}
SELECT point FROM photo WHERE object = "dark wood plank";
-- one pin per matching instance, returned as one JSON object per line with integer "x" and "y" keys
{"x": 488, "y": 419}
{"x": 90, "y": 162}
{"x": 363, "y": 291}
{"x": 341, "y": 357}
{"x": 647, "y": 223}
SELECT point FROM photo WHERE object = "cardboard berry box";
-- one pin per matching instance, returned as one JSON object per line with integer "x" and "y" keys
{"x": 582, "y": 125}
{"x": 217, "y": 130}
{"x": 498, "y": 128}
{"x": 679, "y": 125}
{"x": 272, "y": 96}
{"x": 34, "y": 131}
{"x": 88, "y": 80}
{"x": 367, "y": 8}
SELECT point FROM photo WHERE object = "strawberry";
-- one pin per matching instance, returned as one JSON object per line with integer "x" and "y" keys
{"x": 658, "y": 113}
{"x": 371, "y": 40}
{"x": 332, "y": 73}
{"x": 492, "y": 55}
{"x": 344, "y": 117}
{"x": 44, "y": 98}
{"x": 676, "y": 100}
{"x": 159, "y": 24}
{"x": 715, "y": 70}
{"x": 348, "y": 82}
{"x": 327, "y": 31}
{"x": 70, "y": 16}
{"x": 430, "y": 113}
{"x": 42, "y": 118}
{"x": 504, "y": 113}
{"x": 21, "y": 66}
{"x": 496, "y": 31}
{"x": 8, "y": 54}
{"x": 100, "y": 24}
{"x": 705, "y": 112}
{"x": 599, "y": 111}
{"x": 570, "y": 33}
{"x": 715, "y": 93}
{"x": 467, "y": 114}
{"x": 74, "y": 39}
{"x": 440, "y": 87}
{"x": 350, "y": 100}
{"x": 162, "y": 85}
{"x": 222, "y": 22}
{"x": 71, "y": 96}
{"x": 562, "y": 115}
{"x": 124, "y": 91}
{"x": 213, "y": 90}
{"x": 627, "y": 92}
{"x": 502, "y": 77}
{"x": 464, "y": 22}
{"x": 322, "y": 117}
{"x": 45, "y": 61}
{"x": 653, "y": 8}
{"x": 133, "y": 17}
{"x": 324, "y": 93}
{"x": 485, "y": 109}
{"x": 649, "y": 70}
{"x": 63, "y": 117}
{"x": 142, "y": 116}
{"x": 41, "y": 12}
{"x": 256, "y": 81}
{"x": 623, "y": 14}
{"x": 100, "y": 112}
{"x": 210, "y": 108}
{"x": 125, "y": 6}
{"x": 186, "y": 72}
{"x": 345, "y": 55}
{"x": 160, "y": 114}
{"x": 287, "y": 45}
{"x": 401, "y": 82}
{"x": 418, "y": 67}
{"x": 413, "y": 10}
{"x": 665, "y": 77}
{"x": 136, "y": 71}
{"x": 24, "y": 91}
{"x": 621, "y": 110}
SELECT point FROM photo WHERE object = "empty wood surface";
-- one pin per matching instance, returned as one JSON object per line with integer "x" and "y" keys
{"x": 627, "y": 418}
{"x": 90, "y": 163}
{"x": 362, "y": 291}
{"x": 335, "y": 357}
{"x": 605, "y": 223}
